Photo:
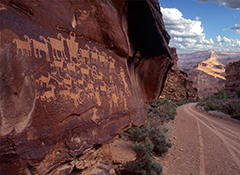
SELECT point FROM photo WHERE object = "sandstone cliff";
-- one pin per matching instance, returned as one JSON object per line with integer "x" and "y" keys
{"x": 177, "y": 85}
{"x": 232, "y": 78}
{"x": 207, "y": 69}
{"x": 74, "y": 74}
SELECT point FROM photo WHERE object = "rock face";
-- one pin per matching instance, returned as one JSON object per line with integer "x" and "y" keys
{"x": 177, "y": 85}
{"x": 73, "y": 75}
{"x": 207, "y": 69}
{"x": 232, "y": 78}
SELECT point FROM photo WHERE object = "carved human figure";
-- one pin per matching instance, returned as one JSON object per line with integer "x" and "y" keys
{"x": 72, "y": 46}
{"x": 84, "y": 54}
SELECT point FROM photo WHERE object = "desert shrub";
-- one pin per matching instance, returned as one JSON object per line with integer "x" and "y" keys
{"x": 223, "y": 94}
{"x": 184, "y": 101}
{"x": 138, "y": 134}
{"x": 236, "y": 116}
{"x": 227, "y": 106}
{"x": 163, "y": 109}
{"x": 237, "y": 94}
{"x": 144, "y": 163}
{"x": 209, "y": 97}
{"x": 230, "y": 106}
{"x": 159, "y": 140}
{"x": 209, "y": 104}
{"x": 157, "y": 136}
{"x": 151, "y": 131}
{"x": 150, "y": 138}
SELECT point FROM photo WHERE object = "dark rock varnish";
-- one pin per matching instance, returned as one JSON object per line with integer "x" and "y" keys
{"x": 73, "y": 74}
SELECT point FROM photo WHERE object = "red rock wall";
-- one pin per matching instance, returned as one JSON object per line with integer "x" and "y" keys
{"x": 73, "y": 75}
{"x": 177, "y": 85}
{"x": 232, "y": 78}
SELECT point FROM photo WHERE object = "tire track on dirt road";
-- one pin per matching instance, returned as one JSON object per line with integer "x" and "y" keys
{"x": 202, "y": 162}
{"x": 213, "y": 128}
{"x": 202, "y": 144}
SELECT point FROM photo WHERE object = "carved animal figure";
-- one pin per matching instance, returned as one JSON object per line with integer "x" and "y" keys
{"x": 23, "y": 45}
{"x": 49, "y": 94}
{"x": 39, "y": 46}
{"x": 58, "y": 47}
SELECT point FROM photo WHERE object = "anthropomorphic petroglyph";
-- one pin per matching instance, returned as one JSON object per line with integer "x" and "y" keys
{"x": 85, "y": 53}
{"x": 94, "y": 55}
{"x": 72, "y": 46}
{"x": 88, "y": 76}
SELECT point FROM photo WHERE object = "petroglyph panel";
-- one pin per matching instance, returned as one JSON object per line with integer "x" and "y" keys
{"x": 78, "y": 71}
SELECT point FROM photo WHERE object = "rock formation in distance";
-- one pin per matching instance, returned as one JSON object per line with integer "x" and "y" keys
{"x": 207, "y": 69}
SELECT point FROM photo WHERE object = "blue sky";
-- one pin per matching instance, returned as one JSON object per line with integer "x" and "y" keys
{"x": 196, "y": 25}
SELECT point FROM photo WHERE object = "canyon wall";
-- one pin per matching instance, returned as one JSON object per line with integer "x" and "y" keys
{"x": 232, "y": 78}
{"x": 207, "y": 69}
{"x": 74, "y": 74}
{"x": 177, "y": 85}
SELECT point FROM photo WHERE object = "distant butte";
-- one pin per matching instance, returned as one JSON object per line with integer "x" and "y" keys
{"x": 207, "y": 69}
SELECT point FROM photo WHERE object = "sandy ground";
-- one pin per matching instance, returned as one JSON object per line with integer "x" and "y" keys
{"x": 203, "y": 144}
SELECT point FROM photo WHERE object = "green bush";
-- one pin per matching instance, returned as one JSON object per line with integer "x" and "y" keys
{"x": 138, "y": 134}
{"x": 236, "y": 116}
{"x": 227, "y": 106}
{"x": 158, "y": 138}
{"x": 163, "y": 109}
{"x": 237, "y": 94}
{"x": 150, "y": 138}
{"x": 152, "y": 132}
{"x": 223, "y": 94}
{"x": 144, "y": 163}
{"x": 184, "y": 101}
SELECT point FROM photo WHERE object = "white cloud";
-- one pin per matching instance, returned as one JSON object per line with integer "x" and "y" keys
{"x": 233, "y": 4}
{"x": 188, "y": 35}
{"x": 197, "y": 18}
{"x": 236, "y": 27}
{"x": 228, "y": 44}
{"x": 179, "y": 26}
{"x": 222, "y": 39}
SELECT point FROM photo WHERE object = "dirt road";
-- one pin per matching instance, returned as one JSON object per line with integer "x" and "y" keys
{"x": 202, "y": 144}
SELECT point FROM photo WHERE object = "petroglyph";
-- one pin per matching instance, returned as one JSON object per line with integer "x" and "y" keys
{"x": 57, "y": 47}
{"x": 77, "y": 73}
{"x": 23, "y": 46}
{"x": 39, "y": 46}
{"x": 72, "y": 45}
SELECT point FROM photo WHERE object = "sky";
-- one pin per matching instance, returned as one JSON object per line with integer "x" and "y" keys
{"x": 198, "y": 25}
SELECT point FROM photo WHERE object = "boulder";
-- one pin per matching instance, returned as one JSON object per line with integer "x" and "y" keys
{"x": 74, "y": 74}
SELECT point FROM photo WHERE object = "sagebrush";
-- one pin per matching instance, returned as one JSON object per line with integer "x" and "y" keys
{"x": 150, "y": 138}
